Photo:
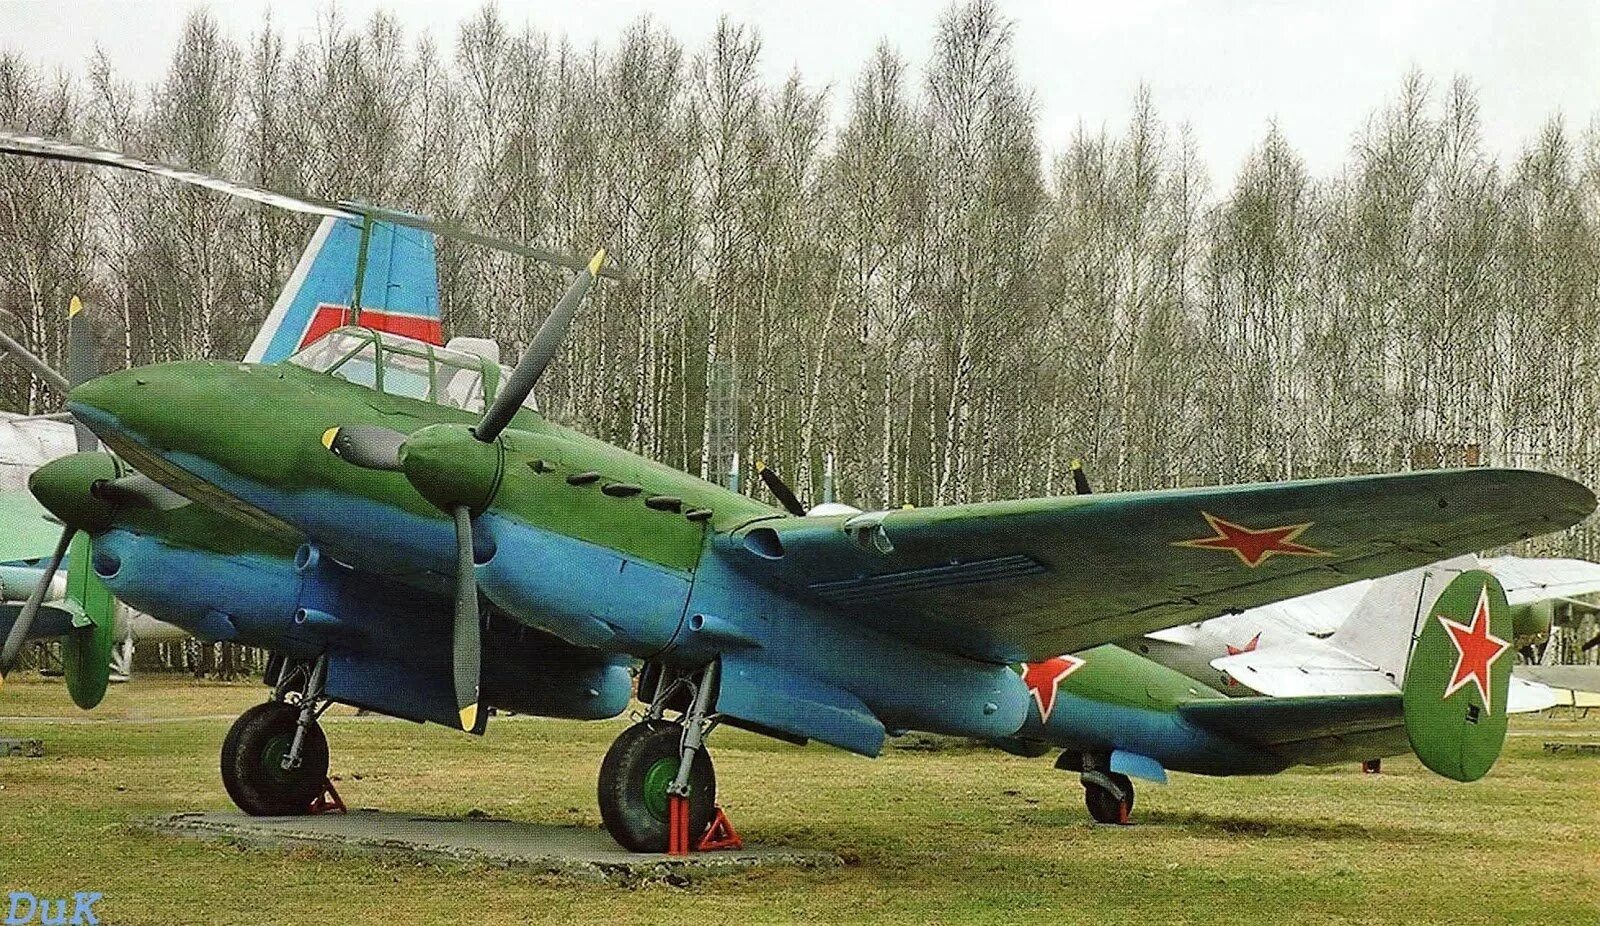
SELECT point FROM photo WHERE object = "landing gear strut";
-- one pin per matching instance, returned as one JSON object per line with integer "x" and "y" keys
{"x": 1108, "y": 794}
{"x": 658, "y": 765}
{"x": 275, "y": 757}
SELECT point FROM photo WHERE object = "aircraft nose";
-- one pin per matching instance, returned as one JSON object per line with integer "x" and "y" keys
{"x": 109, "y": 399}
{"x": 167, "y": 406}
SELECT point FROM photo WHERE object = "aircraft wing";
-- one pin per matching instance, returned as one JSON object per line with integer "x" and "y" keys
{"x": 1530, "y": 579}
{"x": 1022, "y": 581}
{"x": 27, "y": 531}
{"x": 53, "y": 620}
{"x": 1572, "y": 677}
{"x": 1308, "y": 730}
{"x": 1311, "y": 667}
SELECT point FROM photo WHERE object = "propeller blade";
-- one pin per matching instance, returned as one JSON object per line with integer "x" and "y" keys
{"x": 81, "y": 365}
{"x": 1590, "y": 645}
{"x": 19, "y": 630}
{"x": 365, "y": 446}
{"x": 465, "y": 644}
{"x": 541, "y": 350}
{"x": 780, "y": 490}
{"x": 1080, "y": 480}
{"x": 139, "y": 490}
{"x": 56, "y": 150}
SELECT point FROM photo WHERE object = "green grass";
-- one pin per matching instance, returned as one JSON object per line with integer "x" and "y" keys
{"x": 951, "y": 836}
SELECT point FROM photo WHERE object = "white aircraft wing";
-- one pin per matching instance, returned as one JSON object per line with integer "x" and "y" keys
{"x": 1527, "y": 579}
{"x": 1305, "y": 667}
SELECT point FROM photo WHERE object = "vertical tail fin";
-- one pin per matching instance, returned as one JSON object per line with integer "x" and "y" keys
{"x": 399, "y": 288}
{"x": 1383, "y": 624}
{"x": 1456, "y": 684}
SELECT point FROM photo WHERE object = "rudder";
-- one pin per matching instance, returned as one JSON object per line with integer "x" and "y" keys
{"x": 1456, "y": 682}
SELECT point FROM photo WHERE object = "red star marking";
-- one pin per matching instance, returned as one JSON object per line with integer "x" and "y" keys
{"x": 1043, "y": 677}
{"x": 1253, "y": 547}
{"x": 1476, "y": 650}
{"x": 1247, "y": 648}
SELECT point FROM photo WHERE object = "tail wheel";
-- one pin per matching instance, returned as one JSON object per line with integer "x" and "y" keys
{"x": 252, "y": 762}
{"x": 1105, "y": 806}
{"x": 633, "y": 786}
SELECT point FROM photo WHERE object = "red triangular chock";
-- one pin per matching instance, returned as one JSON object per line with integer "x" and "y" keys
{"x": 720, "y": 835}
{"x": 328, "y": 801}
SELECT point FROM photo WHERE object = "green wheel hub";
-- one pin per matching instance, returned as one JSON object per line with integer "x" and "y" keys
{"x": 272, "y": 757}
{"x": 656, "y": 780}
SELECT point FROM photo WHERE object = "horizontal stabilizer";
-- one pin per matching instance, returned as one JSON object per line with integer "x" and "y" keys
{"x": 1307, "y": 730}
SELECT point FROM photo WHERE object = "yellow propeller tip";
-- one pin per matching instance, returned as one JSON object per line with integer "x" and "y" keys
{"x": 1077, "y": 464}
{"x": 595, "y": 262}
{"x": 761, "y": 466}
{"x": 469, "y": 716}
{"x": 329, "y": 436}
{"x": 74, "y": 307}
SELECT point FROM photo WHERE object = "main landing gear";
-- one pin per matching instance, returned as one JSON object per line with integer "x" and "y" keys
{"x": 658, "y": 770}
{"x": 275, "y": 757}
{"x": 1108, "y": 794}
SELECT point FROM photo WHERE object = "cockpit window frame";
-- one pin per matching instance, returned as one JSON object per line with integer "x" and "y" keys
{"x": 490, "y": 374}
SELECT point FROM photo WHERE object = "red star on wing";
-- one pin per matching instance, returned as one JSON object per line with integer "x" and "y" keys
{"x": 1253, "y": 547}
{"x": 1476, "y": 651}
{"x": 1042, "y": 678}
{"x": 1247, "y": 648}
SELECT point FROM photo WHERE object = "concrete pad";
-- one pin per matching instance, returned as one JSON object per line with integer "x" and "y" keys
{"x": 588, "y": 854}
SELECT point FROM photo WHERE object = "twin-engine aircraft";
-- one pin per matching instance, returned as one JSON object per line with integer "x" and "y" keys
{"x": 408, "y": 535}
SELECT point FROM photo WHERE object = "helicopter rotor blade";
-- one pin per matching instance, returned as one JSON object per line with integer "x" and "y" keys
{"x": 57, "y": 150}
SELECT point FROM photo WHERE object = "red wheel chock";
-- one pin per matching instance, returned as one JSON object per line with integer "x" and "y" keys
{"x": 719, "y": 835}
{"x": 677, "y": 825}
{"x": 1372, "y": 767}
{"x": 328, "y": 801}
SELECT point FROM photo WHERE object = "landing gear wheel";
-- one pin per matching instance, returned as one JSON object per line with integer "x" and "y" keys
{"x": 633, "y": 786}
{"x": 1106, "y": 807}
{"x": 252, "y": 762}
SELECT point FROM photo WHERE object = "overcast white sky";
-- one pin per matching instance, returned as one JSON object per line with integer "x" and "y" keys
{"x": 1228, "y": 67}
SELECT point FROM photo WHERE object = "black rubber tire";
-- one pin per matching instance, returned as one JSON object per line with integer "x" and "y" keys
{"x": 624, "y": 807}
{"x": 250, "y": 773}
{"x": 1103, "y": 805}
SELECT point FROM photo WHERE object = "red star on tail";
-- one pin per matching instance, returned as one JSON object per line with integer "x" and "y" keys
{"x": 1476, "y": 649}
{"x": 1043, "y": 677}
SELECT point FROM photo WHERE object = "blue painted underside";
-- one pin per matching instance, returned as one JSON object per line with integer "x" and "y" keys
{"x": 389, "y": 644}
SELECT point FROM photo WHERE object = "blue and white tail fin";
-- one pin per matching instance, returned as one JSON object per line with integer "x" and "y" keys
{"x": 399, "y": 293}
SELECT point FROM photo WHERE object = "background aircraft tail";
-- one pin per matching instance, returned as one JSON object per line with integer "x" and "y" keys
{"x": 1456, "y": 682}
{"x": 399, "y": 288}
